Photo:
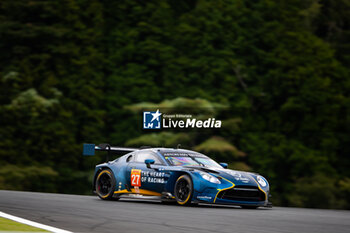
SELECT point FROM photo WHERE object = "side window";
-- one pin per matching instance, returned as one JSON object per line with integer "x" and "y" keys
{"x": 129, "y": 158}
{"x": 143, "y": 155}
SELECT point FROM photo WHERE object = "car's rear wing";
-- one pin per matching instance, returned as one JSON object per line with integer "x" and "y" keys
{"x": 89, "y": 149}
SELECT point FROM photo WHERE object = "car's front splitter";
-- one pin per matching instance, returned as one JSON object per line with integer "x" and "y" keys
{"x": 210, "y": 196}
{"x": 245, "y": 203}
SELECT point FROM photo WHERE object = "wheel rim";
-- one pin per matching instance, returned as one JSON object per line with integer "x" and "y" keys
{"x": 104, "y": 184}
{"x": 182, "y": 190}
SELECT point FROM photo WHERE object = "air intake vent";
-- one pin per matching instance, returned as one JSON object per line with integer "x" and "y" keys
{"x": 243, "y": 193}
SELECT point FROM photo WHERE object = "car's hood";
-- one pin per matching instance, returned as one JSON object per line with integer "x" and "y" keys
{"x": 236, "y": 177}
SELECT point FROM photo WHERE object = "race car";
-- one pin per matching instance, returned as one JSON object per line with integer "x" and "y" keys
{"x": 175, "y": 175}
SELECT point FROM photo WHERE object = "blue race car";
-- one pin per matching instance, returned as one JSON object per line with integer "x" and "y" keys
{"x": 175, "y": 175}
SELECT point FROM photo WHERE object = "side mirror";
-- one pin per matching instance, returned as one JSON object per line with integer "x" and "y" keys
{"x": 148, "y": 162}
{"x": 224, "y": 165}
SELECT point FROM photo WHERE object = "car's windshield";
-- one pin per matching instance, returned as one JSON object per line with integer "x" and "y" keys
{"x": 191, "y": 161}
{"x": 182, "y": 161}
{"x": 208, "y": 162}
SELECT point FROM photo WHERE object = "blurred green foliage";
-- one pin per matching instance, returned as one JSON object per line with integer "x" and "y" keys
{"x": 164, "y": 139}
{"x": 220, "y": 149}
{"x": 28, "y": 178}
{"x": 275, "y": 72}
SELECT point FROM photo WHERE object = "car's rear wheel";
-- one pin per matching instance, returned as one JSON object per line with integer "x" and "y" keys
{"x": 105, "y": 184}
{"x": 183, "y": 190}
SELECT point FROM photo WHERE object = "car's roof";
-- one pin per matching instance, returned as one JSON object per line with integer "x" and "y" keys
{"x": 168, "y": 150}
{"x": 163, "y": 151}
{"x": 173, "y": 150}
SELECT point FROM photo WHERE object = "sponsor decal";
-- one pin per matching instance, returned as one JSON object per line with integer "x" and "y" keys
{"x": 155, "y": 120}
{"x": 154, "y": 177}
{"x": 204, "y": 197}
{"x": 176, "y": 154}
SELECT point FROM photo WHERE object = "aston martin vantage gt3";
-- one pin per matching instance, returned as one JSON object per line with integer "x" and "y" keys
{"x": 175, "y": 175}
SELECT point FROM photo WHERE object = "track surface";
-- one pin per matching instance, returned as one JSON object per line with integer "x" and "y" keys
{"x": 90, "y": 214}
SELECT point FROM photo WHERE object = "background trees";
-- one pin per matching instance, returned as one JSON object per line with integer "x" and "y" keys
{"x": 77, "y": 71}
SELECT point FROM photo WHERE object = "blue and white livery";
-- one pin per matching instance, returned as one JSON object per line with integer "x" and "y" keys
{"x": 175, "y": 175}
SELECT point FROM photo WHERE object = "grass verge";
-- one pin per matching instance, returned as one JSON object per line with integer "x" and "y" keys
{"x": 9, "y": 225}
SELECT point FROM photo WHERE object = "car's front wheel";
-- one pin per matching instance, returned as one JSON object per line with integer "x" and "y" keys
{"x": 183, "y": 190}
{"x": 105, "y": 184}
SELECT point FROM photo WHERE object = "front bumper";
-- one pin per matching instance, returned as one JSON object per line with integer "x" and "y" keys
{"x": 238, "y": 195}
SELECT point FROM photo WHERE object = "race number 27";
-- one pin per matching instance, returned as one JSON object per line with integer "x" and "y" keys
{"x": 135, "y": 177}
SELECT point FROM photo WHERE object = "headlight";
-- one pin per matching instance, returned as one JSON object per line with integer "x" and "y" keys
{"x": 261, "y": 181}
{"x": 210, "y": 178}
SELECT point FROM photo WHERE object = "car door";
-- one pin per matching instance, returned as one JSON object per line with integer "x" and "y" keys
{"x": 143, "y": 180}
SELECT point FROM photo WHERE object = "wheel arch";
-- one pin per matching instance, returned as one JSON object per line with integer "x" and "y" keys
{"x": 97, "y": 172}
{"x": 176, "y": 174}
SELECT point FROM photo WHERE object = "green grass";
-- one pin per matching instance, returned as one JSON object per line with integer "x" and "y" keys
{"x": 9, "y": 225}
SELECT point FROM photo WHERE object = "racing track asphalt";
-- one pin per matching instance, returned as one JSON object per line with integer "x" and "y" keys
{"x": 90, "y": 214}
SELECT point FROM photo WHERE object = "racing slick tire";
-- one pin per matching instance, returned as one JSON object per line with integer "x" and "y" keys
{"x": 105, "y": 185}
{"x": 183, "y": 190}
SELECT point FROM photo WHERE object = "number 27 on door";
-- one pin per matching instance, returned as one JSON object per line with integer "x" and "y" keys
{"x": 135, "y": 177}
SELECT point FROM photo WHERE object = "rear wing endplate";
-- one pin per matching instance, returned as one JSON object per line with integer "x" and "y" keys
{"x": 89, "y": 149}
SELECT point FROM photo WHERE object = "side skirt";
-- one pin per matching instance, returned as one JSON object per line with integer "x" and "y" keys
{"x": 137, "y": 196}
